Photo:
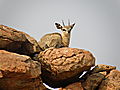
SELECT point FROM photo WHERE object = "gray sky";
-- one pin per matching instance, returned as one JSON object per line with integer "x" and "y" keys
{"x": 97, "y": 26}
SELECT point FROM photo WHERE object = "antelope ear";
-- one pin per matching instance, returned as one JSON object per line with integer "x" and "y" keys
{"x": 72, "y": 25}
{"x": 58, "y": 26}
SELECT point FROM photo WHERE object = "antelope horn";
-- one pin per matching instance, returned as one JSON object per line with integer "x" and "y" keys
{"x": 68, "y": 22}
{"x": 63, "y": 23}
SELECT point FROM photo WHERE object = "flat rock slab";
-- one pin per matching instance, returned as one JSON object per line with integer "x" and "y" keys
{"x": 62, "y": 65}
{"x": 19, "y": 72}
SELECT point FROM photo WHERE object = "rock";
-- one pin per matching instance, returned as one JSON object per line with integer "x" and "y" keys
{"x": 92, "y": 81}
{"x": 74, "y": 86}
{"x": 32, "y": 47}
{"x": 18, "y": 42}
{"x": 19, "y": 72}
{"x": 102, "y": 67}
{"x": 61, "y": 66}
{"x": 98, "y": 68}
{"x": 11, "y": 39}
{"x": 111, "y": 81}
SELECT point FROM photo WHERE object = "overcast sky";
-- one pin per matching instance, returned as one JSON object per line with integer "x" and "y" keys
{"x": 97, "y": 26}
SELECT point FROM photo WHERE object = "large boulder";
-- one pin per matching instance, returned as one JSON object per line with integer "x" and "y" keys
{"x": 61, "y": 66}
{"x": 111, "y": 81}
{"x": 19, "y": 72}
{"x": 16, "y": 41}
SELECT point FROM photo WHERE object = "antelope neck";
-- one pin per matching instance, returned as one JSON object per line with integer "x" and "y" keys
{"x": 66, "y": 39}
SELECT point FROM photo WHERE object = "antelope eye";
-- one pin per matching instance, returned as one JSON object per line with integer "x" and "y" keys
{"x": 63, "y": 29}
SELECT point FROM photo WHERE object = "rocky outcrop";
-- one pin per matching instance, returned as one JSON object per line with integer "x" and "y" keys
{"x": 16, "y": 41}
{"x": 19, "y": 72}
{"x": 111, "y": 81}
{"x": 57, "y": 67}
{"x": 64, "y": 65}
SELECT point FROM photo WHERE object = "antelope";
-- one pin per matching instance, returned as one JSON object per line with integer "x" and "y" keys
{"x": 57, "y": 40}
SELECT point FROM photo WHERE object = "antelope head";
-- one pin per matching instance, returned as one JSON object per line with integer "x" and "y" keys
{"x": 65, "y": 28}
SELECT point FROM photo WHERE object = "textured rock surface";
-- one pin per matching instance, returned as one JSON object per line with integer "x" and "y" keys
{"x": 93, "y": 81}
{"x": 11, "y": 39}
{"x": 74, "y": 86}
{"x": 63, "y": 65}
{"x": 16, "y": 41}
{"x": 102, "y": 67}
{"x": 111, "y": 81}
{"x": 98, "y": 68}
{"x": 19, "y": 72}
{"x": 32, "y": 46}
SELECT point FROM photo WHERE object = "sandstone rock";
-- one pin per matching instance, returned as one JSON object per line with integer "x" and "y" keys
{"x": 62, "y": 66}
{"x": 19, "y": 72}
{"x": 92, "y": 82}
{"x": 102, "y": 67}
{"x": 98, "y": 68}
{"x": 32, "y": 46}
{"x": 111, "y": 81}
{"x": 16, "y": 41}
{"x": 92, "y": 79}
{"x": 11, "y": 39}
{"x": 74, "y": 86}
